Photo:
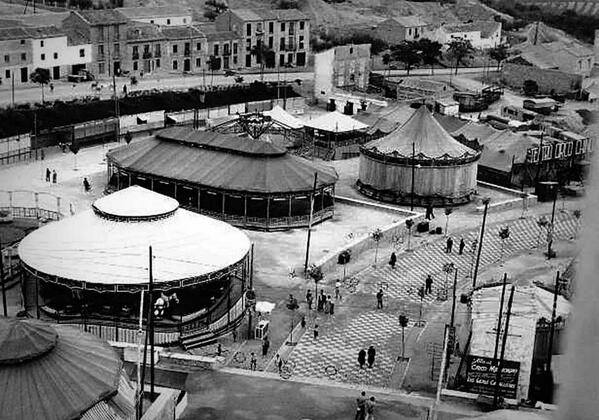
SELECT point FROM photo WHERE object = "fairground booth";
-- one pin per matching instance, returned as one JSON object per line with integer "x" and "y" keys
{"x": 247, "y": 182}
{"x": 418, "y": 161}
{"x": 91, "y": 269}
{"x": 57, "y": 372}
{"x": 336, "y": 136}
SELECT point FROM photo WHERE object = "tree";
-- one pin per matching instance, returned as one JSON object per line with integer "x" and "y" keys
{"x": 458, "y": 50}
{"x": 316, "y": 274}
{"x": 409, "y": 224}
{"x": 448, "y": 211}
{"x": 577, "y": 215}
{"x": 42, "y": 77}
{"x": 504, "y": 234}
{"x": 406, "y": 53}
{"x": 498, "y": 53}
{"x": 530, "y": 87}
{"x": 376, "y": 236}
{"x": 264, "y": 57}
{"x": 387, "y": 62}
{"x": 213, "y": 65}
{"x": 215, "y": 8}
{"x": 430, "y": 51}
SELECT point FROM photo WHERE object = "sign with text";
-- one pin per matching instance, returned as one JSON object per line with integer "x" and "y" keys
{"x": 481, "y": 374}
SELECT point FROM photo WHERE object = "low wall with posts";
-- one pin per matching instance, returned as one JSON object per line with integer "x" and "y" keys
{"x": 521, "y": 199}
{"x": 365, "y": 242}
{"x": 27, "y": 204}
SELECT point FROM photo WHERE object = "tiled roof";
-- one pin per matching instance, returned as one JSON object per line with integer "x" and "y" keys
{"x": 40, "y": 19}
{"x": 102, "y": 17}
{"x": 8, "y": 23}
{"x": 503, "y": 146}
{"x": 24, "y": 32}
{"x": 289, "y": 14}
{"x": 181, "y": 32}
{"x": 410, "y": 21}
{"x": 143, "y": 32}
{"x": 153, "y": 12}
{"x": 269, "y": 14}
{"x": 485, "y": 27}
{"x": 221, "y": 36}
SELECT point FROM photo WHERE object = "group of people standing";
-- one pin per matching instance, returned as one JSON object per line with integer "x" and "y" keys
{"x": 449, "y": 246}
{"x": 363, "y": 359}
{"x": 365, "y": 410}
{"x": 324, "y": 303}
{"x": 51, "y": 176}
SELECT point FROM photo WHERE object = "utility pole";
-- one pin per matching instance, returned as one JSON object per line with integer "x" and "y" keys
{"x": 116, "y": 107}
{"x": 12, "y": 89}
{"x": 251, "y": 288}
{"x": 480, "y": 242}
{"x": 2, "y": 279}
{"x": 140, "y": 332}
{"x": 540, "y": 158}
{"x": 505, "y": 333}
{"x": 413, "y": 173}
{"x": 499, "y": 317}
{"x": 455, "y": 283}
{"x": 151, "y": 322}
{"x": 551, "y": 227}
{"x": 310, "y": 222}
{"x": 552, "y": 327}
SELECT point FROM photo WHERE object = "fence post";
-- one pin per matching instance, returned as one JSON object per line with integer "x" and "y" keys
{"x": 37, "y": 205}
{"x": 10, "y": 200}
{"x": 58, "y": 206}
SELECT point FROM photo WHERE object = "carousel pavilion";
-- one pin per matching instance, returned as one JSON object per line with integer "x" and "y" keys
{"x": 247, "y": 182}
{"x": 89, "y": 269}
{"x": 418, "y": 161}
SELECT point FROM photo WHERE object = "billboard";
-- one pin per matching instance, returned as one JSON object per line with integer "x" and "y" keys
{"x": 481, "y": 374}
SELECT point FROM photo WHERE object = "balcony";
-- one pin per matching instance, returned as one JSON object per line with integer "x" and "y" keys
{"x": 187, "y": 53}
{"x": 135, "y": 56}
{"x": 158, "y": 54}
{"x": 289, "y": 47}
{"x": 147, "y": 54}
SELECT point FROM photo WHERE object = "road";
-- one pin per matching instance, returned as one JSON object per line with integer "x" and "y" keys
{"x": 68, "y": 91}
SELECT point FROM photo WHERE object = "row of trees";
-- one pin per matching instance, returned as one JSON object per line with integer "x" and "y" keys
{"x": 427, "y": 52}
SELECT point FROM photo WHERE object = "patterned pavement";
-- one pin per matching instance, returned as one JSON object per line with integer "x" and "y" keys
{"x": 341, "y": 337}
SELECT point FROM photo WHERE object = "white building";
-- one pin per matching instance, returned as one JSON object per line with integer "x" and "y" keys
{"x": 52, "y": 50}
{"x": 161, "y": 15}
{"x": 481, "y": 34}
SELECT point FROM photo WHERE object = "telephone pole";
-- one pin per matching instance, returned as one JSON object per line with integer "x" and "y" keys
{"x": 480, "y": 242}
{"x": 505, "y": 333}
{"x": 2, "y": 280}
{"x": 499, "y": 317}
{"x": 310, "y": 222}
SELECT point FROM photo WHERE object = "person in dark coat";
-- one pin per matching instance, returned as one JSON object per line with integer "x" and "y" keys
{"x": 321, "y": 301}
{"x": 265, "y": 346}
{"x": 393, "y": 260}
{"x": 371, "y": 355}
{"x": 316, "y": 331}
{"x": 462, "y": 246}
{"x": 309, "y": 299}
{"x": 379, "y": 299}
{"x": 48, "y": 174}
{"x": 429, "y": 212}
{"x": 303, "y": 322}
{"x": 429, "y": 284}
{"x": 361, "y": 406}
{"x": 331, "y": 307}
{"x": 362, "y": 358}
{"x": 86, "y": 185}
{"x": 449, "y": 245}
{"x": 54, "y": 177}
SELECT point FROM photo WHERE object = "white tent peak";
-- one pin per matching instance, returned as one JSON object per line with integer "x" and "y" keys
{"x": 336, "y": 122}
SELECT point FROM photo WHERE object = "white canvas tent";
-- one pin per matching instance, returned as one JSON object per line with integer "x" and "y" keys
{"x": 280, "y": 115}
{"x": 335, "y": 122}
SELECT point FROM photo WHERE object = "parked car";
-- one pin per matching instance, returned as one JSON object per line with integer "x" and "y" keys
{"x": 81, "y": 76}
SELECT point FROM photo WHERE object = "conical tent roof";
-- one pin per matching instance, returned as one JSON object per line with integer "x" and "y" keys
{"x": 430, "y": 140}
{"x": 62, "y": 375}
{"x": 280, "y": 115}
{"x": 335, "y": 122}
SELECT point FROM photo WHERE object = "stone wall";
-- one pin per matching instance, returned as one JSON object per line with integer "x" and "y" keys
{"x": 514, "y": 76}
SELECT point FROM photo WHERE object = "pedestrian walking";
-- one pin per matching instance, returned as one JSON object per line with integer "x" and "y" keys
{"x": 234, "y": 334}
{"x": 219, "y": 350}
{"x": 86, "y": 185}
{"x": 429, "y": 212}
{"x": 429, "y": 284}
{"x": 370, "y": 409}
{"x": 449, "y": 245}
{"x": 327, "y": 305}
{"x": 361, "y": 406}
{"x": 303, "y": 322}
{"x": 331, "y": 307}
{"x": 393, "y": 260}
{"x": 42, "y": 154}
{"x": 321, "y": 301}
{"x": 125, "y": 89}
{"x": 316, "y": 331}
{"x": 265, "y": 346}
{"x": 371, "y": 355}
{"x": 51, "y": 87}
{"x": 54, "y": 177}
{"x": 379, "y": 299}
{"x": 309, "y": 299}
{"x": 253, "y": 361}
{"x": 462, "y": 246}
{"x": 338, "y": 289}
{"x": 362, "y": 358}
{"x": 48, "y": 174}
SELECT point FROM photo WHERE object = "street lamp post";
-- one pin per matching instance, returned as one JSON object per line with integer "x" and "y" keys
{"x": 551, "y": 229}
{"x": 480, "y": 242}
{"x": 413, "y": 173}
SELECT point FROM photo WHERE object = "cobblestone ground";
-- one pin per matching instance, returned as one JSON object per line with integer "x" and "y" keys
{"x": 357, "y": 324}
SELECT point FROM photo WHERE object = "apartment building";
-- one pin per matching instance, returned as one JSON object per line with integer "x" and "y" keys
{"x": 161, "y": 15}
{"x": 186, "y": 49}
{"x": 284, "y": 35}
{"x": 145, "y": 48}
{"x": 106, "y": 31}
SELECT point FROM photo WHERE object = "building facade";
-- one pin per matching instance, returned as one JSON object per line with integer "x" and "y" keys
{"x": 106, "y": 31}
{"x": 162, "y": 15}
{"x": 401, "y": 28}
{"x": 284, "y": 34}
{"x": 481, "y": 34}
{"x": 16, "y": 59}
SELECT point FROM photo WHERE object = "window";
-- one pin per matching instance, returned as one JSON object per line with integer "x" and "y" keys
{"x": 158, "y": 63}
{"x": 248, "y": 44}
{"x": 100, "y": 50}
{"x": 291, "y": 28}
{"x": 81, "y": 52}
{"x": 259, "y": 28}
{"x": 271, "y": 27}
{"x": 117, "y": 49}
{"x": 7, "y": 74}
{"x": 7, "y": 58}
{"x": 248, "y": 29}
{"x": 157, "y": 51}
{"x": 23, "y": 56}
{"x": 184, "y": 20}
{"x": 22, "y": 42}
{"x": 226, "y": 49}
{"x": 234, "y": 59}
{"x": 147, "y": 49}
{"x": 569, "y": 148}
{"x": 43, "y": 57}
{"x": 135, "y": 52}
{"x": 215, "y": 49}
{"x": 101, "y": 68}
{"x": 546, "y": 152}
{"x": 56, "y": 56}
{"x": 42, "y": 43}
{"x": 175, "y": 65}
{"x": 301, "y": 25}
{"x": 199, "y": 46}
{"x": 270, "y": 42}
{"x": 248, "y": 60}
{"x": 533, "y": 155}
{"x": 235, "y": 48}
{"x": 301, "y": 42}
{"x": 175, "y": 49}
{"x": 198, "y": 62}
{"x": 282, "y": 26}
{"x": 152, "y": 21}
{"x": 135, "y": 65}
{"x": 168, "y": 21}
{"x": 282, "y": 44}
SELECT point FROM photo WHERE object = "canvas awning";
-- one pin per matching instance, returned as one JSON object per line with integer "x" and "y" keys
{"x": 280, "y": 115}
{"x": 335, "y": 122}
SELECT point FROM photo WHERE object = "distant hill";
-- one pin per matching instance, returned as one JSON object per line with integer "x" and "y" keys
{"x": 582, "y": 7}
